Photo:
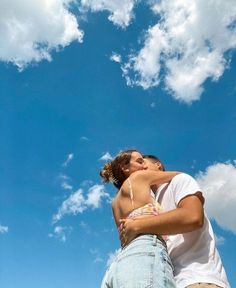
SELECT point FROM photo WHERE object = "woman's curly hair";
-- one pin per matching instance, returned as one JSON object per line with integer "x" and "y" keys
{"x": 112, "y": 171}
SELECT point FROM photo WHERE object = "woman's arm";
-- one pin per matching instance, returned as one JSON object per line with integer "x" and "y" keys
{"x": 152, "y": 177}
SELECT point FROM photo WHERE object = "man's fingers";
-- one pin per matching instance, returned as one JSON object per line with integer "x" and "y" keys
{"x": 123, "y": 238}
{"x": 121, "y": 226}
{"x": 123, "y": 242}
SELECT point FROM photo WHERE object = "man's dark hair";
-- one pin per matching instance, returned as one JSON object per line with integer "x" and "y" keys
{"x": 154, "y": 159}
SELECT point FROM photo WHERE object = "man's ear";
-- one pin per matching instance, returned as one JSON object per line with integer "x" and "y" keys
{"x": 159, "y": 165}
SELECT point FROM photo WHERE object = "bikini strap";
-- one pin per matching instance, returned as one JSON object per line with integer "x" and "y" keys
{"x": 131, "y": 193}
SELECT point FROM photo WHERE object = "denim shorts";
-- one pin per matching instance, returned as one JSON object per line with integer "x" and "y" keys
{"x": 144, "y": 263}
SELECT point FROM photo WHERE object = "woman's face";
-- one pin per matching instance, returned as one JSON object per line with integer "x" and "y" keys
{"x": 136, "y": 163}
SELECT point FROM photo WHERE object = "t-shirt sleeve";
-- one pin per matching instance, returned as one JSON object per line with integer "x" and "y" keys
{"x": 184, "y": 185}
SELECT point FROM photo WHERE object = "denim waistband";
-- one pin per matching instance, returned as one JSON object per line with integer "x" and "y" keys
{"x": 153, "y": 240}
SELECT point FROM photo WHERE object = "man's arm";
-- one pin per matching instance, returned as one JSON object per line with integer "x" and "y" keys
{"x": 187, "y": 217}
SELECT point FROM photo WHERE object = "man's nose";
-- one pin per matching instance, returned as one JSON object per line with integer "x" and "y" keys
{"x": 145, "y": 167}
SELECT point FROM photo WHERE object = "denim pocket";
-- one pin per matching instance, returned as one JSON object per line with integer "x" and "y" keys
{"x": 135, "y": 270}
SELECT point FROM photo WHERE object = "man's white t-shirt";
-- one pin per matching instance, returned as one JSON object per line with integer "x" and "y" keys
{"x": 194, "y": 254}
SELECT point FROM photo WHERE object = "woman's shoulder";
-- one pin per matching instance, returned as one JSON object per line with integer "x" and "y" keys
{"x": 137, "y": 175}
{"x": 123, "y": 191}
{"x": 141, "y": 175}
{"x": 125, "y": 187}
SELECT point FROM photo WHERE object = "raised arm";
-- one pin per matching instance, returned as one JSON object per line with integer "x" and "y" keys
{"x": 152, "y": 177}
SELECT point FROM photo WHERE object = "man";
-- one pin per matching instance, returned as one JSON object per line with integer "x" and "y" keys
{"x": 190, "y": 243}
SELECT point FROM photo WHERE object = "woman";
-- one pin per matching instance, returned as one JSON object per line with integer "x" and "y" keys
{"x": 144, "y": 262}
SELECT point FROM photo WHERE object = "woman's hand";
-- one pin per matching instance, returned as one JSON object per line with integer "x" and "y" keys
{"x": 127, "y": 231}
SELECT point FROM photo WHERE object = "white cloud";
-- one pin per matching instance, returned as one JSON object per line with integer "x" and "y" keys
{"x": 68, "y": 160}
{"x": 120, "y": 11}
{"x": 219, "y": 185}
{"x": 146, "y": 65}
{"x": 30, "y": 30}
{"x": 115, "y": 57}
{"x": 95, "y": 195}
{"x": 188, "y": 44}
{"x": 106, "y": 157}
{"x": 76, "y": 203}
{"x": 3, "y": 229}
{"x": 60, "y": 233}
{"x": 73, "y": 205}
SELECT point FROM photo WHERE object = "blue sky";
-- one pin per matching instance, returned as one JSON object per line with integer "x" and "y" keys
{"x": 81, "y": 80}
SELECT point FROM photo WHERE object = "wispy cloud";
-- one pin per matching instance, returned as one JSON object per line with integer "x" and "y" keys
{"x": 86, "y": 183}
{"x": 68, "y": 159}
{"x": 85, "y": 226}
{"x": 3, "y": 229}
{"x": 220, "y": 240}
{"x": 219, "y": 184}
{"x": 60, "y": 233}
{"x": 106, "y": 157}
{"x": 64, "y": 179}
{"x": 77, "y": 203}
{"x": 31, "y": 30}
{"x": 188, "y": 44}
{"x": 120, "y": 12}
{"x": 66, "y": 186}
{"x": 84, "y": 138}
{"x": 97, "y": 255}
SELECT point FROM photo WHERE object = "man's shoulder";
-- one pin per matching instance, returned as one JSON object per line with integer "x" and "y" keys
{"x": 185, "y": 183}
{"x": 183, "y": 177}
{"x": 179, "y": 182}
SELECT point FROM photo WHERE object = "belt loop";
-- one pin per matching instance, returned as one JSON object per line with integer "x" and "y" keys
{"x": 154, "y": 240}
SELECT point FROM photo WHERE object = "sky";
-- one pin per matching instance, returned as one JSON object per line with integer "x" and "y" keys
{"x": 82, "y": 80}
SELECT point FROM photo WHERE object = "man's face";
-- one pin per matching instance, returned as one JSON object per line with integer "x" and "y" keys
{"x": 152, "y": 164}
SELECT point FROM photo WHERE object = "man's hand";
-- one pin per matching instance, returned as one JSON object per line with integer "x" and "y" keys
{"x": 127, "y": 231}
{"x": 187, "y": 217}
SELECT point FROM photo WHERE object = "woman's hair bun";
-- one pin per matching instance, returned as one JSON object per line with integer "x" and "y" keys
{"x": 106, "y": 173}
